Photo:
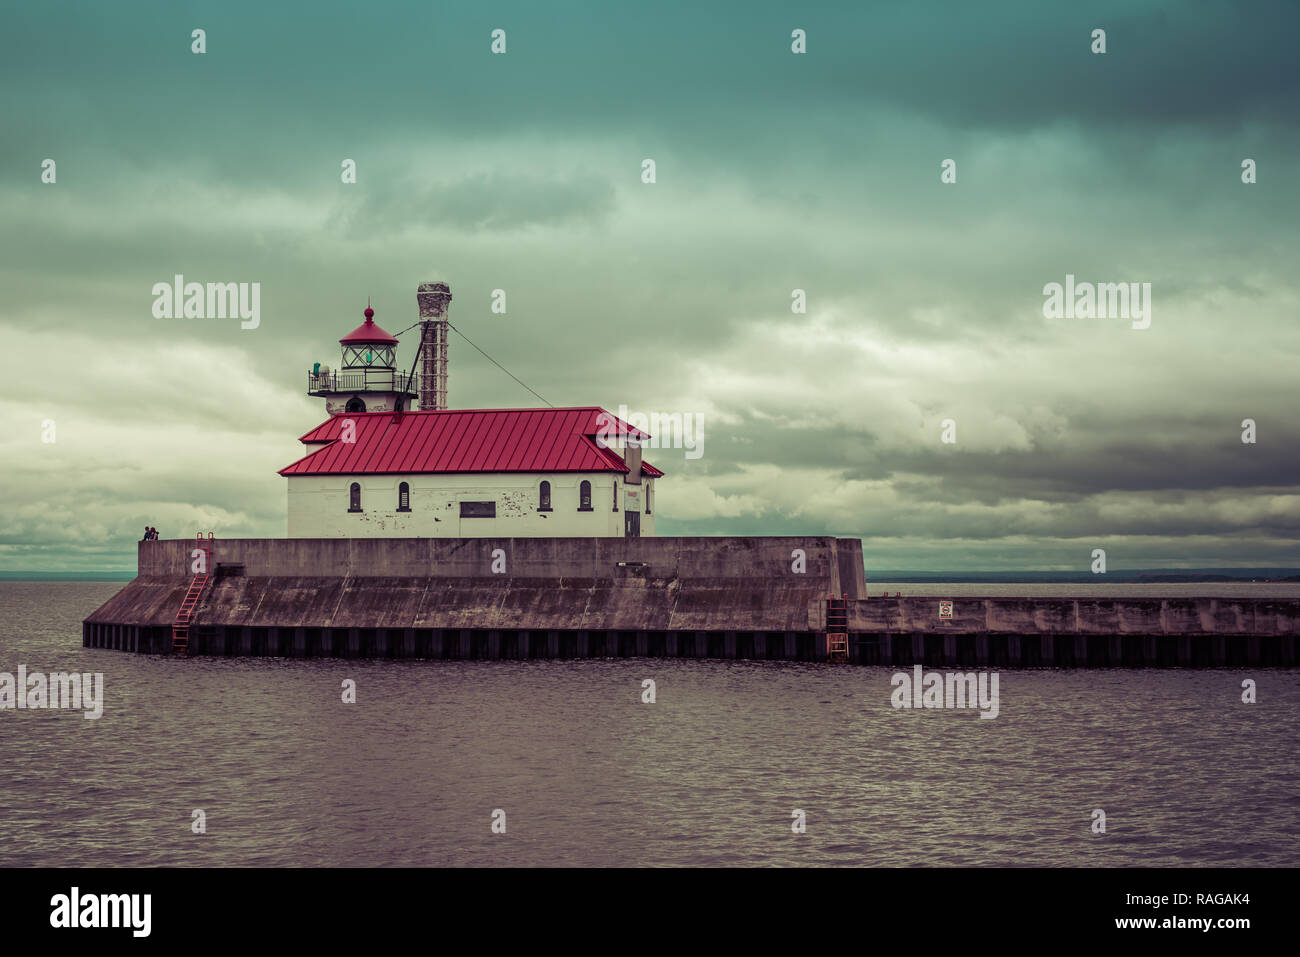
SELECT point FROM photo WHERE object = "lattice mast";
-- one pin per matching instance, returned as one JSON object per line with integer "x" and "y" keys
{"x": 433, "y": 299}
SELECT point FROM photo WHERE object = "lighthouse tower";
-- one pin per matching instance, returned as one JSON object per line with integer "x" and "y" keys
{"x": 367, "y": 379}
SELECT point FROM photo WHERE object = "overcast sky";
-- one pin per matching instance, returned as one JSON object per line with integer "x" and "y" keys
{"x": 775, "y": 171}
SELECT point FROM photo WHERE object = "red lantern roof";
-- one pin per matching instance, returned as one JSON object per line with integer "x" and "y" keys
{"x": 368, "y": 333}
{"x": 468, "y": 440}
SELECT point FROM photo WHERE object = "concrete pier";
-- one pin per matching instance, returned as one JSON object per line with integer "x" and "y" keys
{"x": 758, "y": 598}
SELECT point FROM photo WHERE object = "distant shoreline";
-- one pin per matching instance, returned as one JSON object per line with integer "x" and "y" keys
{"x": 66, "y": 576}
{"x": 875, "y": 577}
{"x": 1029, "y": 578}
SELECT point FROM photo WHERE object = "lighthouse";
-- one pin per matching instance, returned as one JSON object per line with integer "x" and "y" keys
{"x": 435, "y": 472}
{"x": 367, "y": 379}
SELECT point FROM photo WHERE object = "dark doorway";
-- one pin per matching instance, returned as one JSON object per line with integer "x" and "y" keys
{"x": 631, "y": 523}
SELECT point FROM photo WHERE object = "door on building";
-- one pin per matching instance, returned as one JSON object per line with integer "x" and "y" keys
{"x": 631, "y": 524}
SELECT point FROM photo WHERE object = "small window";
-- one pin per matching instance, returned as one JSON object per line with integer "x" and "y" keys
{"x": 404, "y": 497}
{"x": 647, "y": 497}
{"x": 616, "y": 494}
{"x": 354, "y": 498}
{"x": 478, "y": 509}
{"x": 584, "y": 497}
{"x": 544, "y": 497}
{"x": 356, "y": 405}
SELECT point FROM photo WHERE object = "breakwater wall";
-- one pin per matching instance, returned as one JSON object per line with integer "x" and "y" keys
{"x": 751, "y": 597}
{"x": 1075, "y": 632}
{"x": 484, "y": 597}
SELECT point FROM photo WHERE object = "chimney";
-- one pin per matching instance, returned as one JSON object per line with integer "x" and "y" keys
{"x": 432, "y": 298}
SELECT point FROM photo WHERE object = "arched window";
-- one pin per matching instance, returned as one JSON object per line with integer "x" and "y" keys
{"x": 616, "y": 494}
{"x": 544, "y": 497}
{"x": 356, "y": 405}
{"x": 404, "y": 497}
{"x": 649, "y": 487}
{"x": 354, "y": 498}
{"x": 584, "y": 497}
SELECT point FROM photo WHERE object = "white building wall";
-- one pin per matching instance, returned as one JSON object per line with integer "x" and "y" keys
{"x": 337, "y": 403}
{"x": 318, "y": 506}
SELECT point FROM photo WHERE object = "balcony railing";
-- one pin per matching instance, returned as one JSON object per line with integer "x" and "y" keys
{"x": 370, "y": 380}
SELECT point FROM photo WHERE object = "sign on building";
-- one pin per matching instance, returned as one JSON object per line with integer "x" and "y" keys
{"x": 945, "y": 609}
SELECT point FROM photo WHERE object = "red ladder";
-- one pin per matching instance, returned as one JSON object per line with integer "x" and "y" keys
{"x": 837, "y": 629}
{"x": 181, "y": 626}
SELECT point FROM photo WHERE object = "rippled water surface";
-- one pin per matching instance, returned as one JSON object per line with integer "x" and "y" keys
{"x": 588, "y": 775}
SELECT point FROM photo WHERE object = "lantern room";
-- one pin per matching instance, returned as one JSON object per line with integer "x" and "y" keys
{"x": 368, "y": 347}
{"x": 367, "y": 379}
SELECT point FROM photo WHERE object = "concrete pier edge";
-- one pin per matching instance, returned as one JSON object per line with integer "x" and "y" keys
{"x": 761, "y": 598}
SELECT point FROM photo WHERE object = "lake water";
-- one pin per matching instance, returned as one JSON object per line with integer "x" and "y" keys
{"x": 589, "y": 775}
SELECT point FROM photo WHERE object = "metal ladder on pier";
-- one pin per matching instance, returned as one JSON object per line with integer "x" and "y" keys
{"x": 837, "y": 629}
{"x": 181, "y": 626}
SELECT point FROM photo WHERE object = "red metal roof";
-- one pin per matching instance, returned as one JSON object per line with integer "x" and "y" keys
{"x": 368, "y": 333}
{"x": 468, "y": 440}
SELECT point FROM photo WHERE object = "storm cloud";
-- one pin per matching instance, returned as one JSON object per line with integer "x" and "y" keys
{"x": 775, "y": 172}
